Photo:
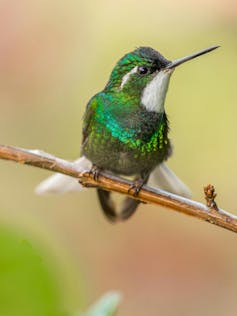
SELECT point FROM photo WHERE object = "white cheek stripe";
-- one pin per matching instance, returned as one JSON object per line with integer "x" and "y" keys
{"x": 127, "y": 76}
{"x": 153, "y": 96}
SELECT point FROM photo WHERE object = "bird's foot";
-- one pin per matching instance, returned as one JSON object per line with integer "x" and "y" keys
{"x": 95, "y": 172}
{"x": 136, "y": 187}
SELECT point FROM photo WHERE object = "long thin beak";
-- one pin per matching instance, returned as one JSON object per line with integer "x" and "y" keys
{"x": 180, "y": 61}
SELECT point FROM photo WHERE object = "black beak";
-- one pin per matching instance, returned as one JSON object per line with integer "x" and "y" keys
{"x": 180, "y": 61}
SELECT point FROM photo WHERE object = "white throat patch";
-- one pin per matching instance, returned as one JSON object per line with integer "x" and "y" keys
{"x": 127, "y": 76}
{"x": 153, "y": 95}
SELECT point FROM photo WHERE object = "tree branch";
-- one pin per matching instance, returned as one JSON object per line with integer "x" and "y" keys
{"x": 210, "y": 213}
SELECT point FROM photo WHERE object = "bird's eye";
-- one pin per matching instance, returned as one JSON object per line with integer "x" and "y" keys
{"x": 143, "y": 70}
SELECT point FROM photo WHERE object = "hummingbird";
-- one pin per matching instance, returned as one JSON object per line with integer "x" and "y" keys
{"x": 125, "y": 130}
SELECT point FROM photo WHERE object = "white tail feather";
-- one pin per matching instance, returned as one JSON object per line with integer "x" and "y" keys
{"x": 162, "y": 176}
{"x": 165, "y": 179}
{"x": 60, "y": 183}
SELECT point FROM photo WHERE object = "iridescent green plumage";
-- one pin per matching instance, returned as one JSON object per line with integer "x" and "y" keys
{"x": 125, "y": 129}
{"x": 120, "y": 134}
{"x": 125, "y": 126}
{"x": 127, "y": 141}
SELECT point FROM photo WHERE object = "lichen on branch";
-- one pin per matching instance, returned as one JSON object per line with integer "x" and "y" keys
{"x": 210, "y": 212}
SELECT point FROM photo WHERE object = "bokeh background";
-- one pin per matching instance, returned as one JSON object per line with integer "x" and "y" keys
{"x": 54, "y": 55}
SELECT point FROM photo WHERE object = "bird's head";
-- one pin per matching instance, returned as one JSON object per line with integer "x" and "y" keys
{"x": 144, "y": 73}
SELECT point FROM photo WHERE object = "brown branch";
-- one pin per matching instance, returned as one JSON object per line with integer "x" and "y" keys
{"x": 211, "y": 214}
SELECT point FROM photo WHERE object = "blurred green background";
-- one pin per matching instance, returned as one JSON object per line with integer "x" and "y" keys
{"x": 54, "y": 55}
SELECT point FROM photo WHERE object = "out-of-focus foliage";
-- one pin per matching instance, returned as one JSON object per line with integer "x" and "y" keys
{"x": 27, "y": 286}
{"x": 106, "y": 306}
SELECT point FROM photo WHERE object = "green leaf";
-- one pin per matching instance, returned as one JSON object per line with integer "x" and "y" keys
{"x": 27, "y": 286}
{"x": 106, "y": 306}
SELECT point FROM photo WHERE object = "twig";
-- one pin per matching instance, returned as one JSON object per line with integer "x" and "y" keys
{"x": 211, "y": 213}
{"x": 210, "y": 196}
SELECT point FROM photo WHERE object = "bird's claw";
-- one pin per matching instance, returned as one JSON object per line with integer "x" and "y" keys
{"x": 136, "y": 187}
{"x": 95, "y": 172}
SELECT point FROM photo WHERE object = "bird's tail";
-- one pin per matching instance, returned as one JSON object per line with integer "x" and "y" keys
{"x": 108, "y": 206}
{"x": 161, "y": 177}
{"x": 60, "y": 183}
{"x": 164, "y": 178}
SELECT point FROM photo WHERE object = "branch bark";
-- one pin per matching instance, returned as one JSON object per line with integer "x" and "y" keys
{"x": 211, "y": 213}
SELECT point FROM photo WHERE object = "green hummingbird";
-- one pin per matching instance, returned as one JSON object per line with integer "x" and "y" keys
{"x": 125, "y": 128}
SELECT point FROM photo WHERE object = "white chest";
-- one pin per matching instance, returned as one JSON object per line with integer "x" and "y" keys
{"x": 153, "y": 96}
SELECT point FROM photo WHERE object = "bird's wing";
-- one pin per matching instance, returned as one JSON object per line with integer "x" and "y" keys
{"x": 166, "y": 179}
{"x": 88, "y": 118}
